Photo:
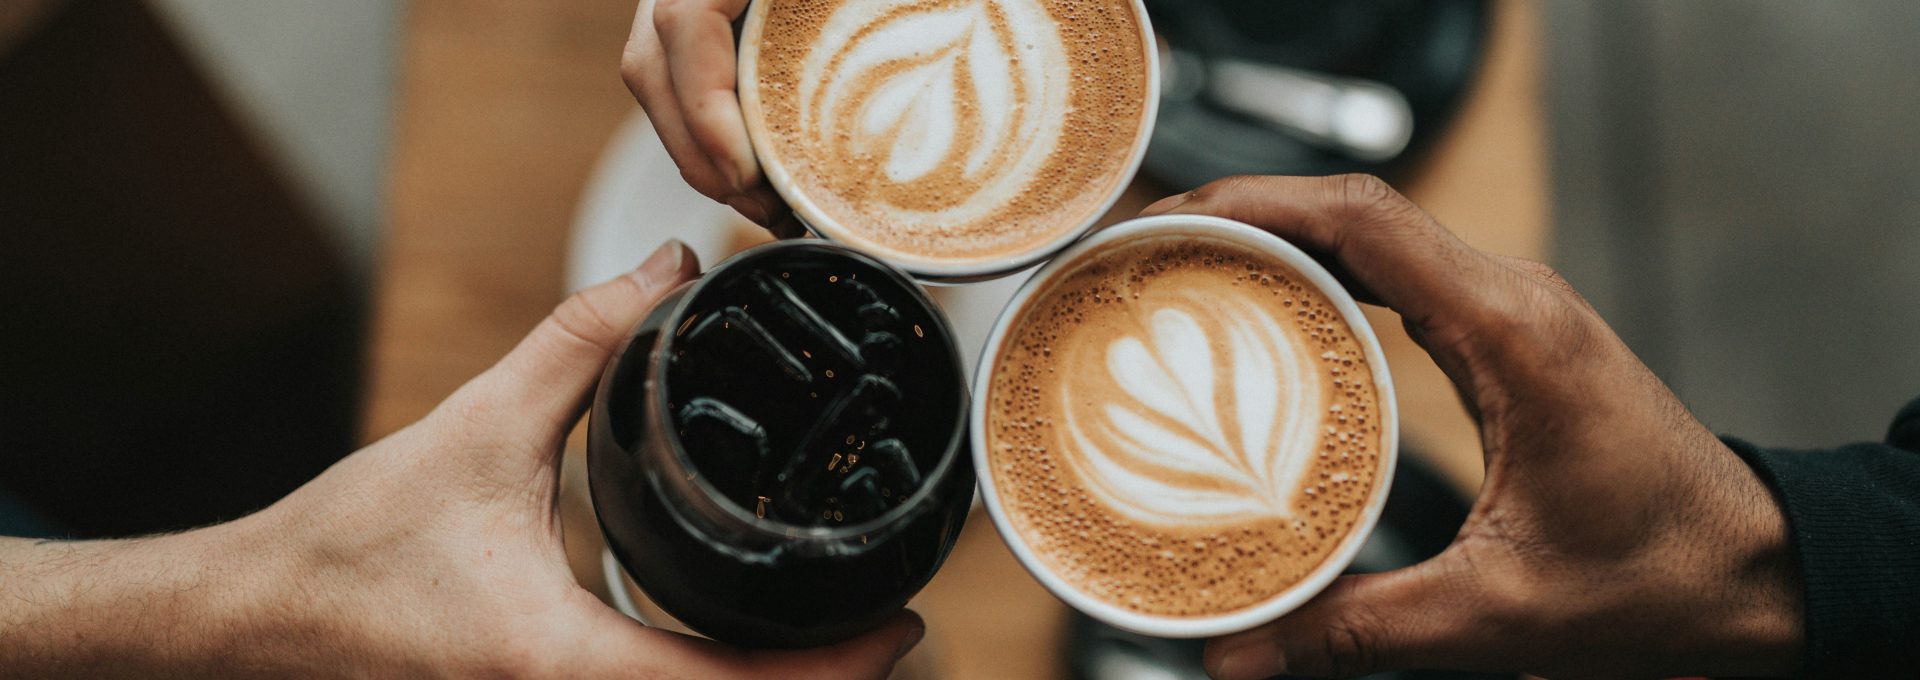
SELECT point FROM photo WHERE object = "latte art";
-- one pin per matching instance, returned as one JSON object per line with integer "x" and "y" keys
{"x": 955, "y": 104}
{"x": 1185, "y": 436}
{"x": 948, "y": 134}
{"x": 1181, "y": 425}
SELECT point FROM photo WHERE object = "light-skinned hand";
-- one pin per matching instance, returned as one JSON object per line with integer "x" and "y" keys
{"x": 680, "y": 64}
{"x": 433, "y": 552}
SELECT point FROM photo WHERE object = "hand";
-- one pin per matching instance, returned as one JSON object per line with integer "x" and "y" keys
{"x": 1614, "y": 536}
{"x": 680, "y": 64}
{"x": 436, "y": 551}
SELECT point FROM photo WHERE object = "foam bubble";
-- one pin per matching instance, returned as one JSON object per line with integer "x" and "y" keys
{"x": 957, "y": 129}
{"x": 1138, "y": 450}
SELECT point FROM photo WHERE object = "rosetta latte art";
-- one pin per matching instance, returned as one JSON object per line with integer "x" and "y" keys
{"x": 946, "y": 108}
{"x": 1213, "y": 417}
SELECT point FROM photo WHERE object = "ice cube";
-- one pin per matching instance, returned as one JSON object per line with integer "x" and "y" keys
{"x": 732, "y": 448}
{"x": 859, "y": 496}
{"x": 735, "y": 323}
{"x": 804, "y": 318}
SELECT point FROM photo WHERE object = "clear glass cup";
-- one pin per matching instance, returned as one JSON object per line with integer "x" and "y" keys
{"x": 747, "y": 573}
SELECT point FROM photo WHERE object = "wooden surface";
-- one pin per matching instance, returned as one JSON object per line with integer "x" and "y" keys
{"x": 504, "y": 107}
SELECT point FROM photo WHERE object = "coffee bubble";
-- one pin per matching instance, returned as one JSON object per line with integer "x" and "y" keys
{"x": 1176, "y": 426}
{"x": 951, "y": 130}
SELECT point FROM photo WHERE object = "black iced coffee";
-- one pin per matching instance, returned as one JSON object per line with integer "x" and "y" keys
{"x": 778, "y": 458}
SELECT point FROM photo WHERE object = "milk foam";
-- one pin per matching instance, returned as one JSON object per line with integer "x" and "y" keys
{"x": 1190, "y": 437}
{"x": 950, "y": 130}
{"x": 966, "y": 92}
{"x": 1182, "y": 426}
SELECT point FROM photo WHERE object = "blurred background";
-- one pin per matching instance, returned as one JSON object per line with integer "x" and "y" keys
{"x": 240, "y": 237}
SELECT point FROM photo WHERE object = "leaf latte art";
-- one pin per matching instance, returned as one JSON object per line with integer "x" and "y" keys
{"x": 950, "y": 130}
{"x": 1174, "y": 433}
{"x": 1181, "y": 425}
{"x": 938, "y": 101}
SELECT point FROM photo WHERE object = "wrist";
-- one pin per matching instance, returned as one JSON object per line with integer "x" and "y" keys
{"x": 1759, "y": 585}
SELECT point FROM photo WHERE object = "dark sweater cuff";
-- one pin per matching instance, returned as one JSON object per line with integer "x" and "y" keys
{"x": 1854, "y": 514}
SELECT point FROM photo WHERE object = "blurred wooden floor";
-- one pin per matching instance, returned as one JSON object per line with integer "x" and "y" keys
{"x": 505, "y": 106}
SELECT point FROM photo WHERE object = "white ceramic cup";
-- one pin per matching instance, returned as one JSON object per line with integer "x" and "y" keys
{"x": 1282, "y": 602}
{"x": 923, "y": 266}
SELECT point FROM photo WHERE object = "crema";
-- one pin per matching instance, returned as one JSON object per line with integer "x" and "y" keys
{"x": 950, "y": 131}
{"x": 1182, "y": 426}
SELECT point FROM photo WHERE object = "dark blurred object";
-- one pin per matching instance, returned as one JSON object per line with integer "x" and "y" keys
{"x": 1426, "y": 50}
{"x": 180, "y": 340}
{"x": 1422, "y": 516}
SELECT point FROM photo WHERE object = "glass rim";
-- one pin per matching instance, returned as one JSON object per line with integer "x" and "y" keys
{"x": 956, "y": 450}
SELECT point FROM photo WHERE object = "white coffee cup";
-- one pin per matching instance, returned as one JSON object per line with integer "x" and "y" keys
{"x": 928, "y": 267}
{"x": 1286, "y": 600}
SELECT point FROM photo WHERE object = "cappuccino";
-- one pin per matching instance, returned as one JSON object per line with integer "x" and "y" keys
{"x": 953, "y": 137}
{"x": 1182, "y": 425}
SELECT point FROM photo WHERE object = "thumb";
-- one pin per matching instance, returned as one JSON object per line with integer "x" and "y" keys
{"x": 1425, "y": 616}
{"x": 539, "y": 388}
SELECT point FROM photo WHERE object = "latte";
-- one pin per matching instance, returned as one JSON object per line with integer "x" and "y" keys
{"x": 950, "y": 136}
{"x": 1182, "y": 426}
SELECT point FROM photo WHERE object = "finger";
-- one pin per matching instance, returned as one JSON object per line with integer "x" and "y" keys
{"x": 1427, "y": 616}
{"x": 643, "y": 65}
{"x": 623, "y": 647}
{"x": 1379, "y": 239}
{"x": 697, "y": 36}
{"x": 762, "y": 205}
{"x": 541, "y": 386}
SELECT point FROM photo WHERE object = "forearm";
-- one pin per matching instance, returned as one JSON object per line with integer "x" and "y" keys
{"x": 152, "y": 607}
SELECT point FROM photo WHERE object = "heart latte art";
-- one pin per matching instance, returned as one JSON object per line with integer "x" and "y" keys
{"x": 1173, "y": 434}
{"x": 1182, "y": 426}
{"x": 948, "y": 130}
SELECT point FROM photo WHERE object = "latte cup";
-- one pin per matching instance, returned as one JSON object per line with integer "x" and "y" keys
{"x": 960, "y": 142}
{"x": 1051, "y": 559}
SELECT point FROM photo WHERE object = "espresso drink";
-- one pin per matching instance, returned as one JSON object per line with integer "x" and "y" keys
{"x": 950, "y": 131}
{"x": 777, "y": 459}
{"x": 1182, "y": 426}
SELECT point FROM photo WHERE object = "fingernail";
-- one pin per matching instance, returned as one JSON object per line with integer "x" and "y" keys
{"x": 912, "y": 638}
{"x": 731, "y": 173}
{"x": 1250, "y": 661}
{"x": 1167, "y": 204}
{"x": 664, "y": 263}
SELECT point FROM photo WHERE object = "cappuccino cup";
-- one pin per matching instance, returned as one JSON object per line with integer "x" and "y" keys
{"x": 1183, "y": 426}
{"x": 958, "y": 140}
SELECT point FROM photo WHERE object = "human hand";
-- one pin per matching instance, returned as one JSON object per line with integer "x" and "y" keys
{"x": 1614, "y": 535}
{"x": 435, "y": 551}
{"x": 680, "y": 64}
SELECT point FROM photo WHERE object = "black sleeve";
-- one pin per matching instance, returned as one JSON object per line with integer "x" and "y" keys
{"x": 1854, "y": 513}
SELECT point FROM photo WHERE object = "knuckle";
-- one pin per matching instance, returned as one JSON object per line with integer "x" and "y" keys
{"x": 579, "y": 320}
{"x": 1362, "y": 195}
{"x": 633, "y": 71}
{"x": 1545, "y": 274}
{"x": 668, "y": 14}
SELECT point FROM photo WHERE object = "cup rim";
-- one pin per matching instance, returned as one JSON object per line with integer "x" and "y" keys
{"x": 1247, "y": 617}
{"x": 951, "y": 458}
{"x": 924, "y": 267}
